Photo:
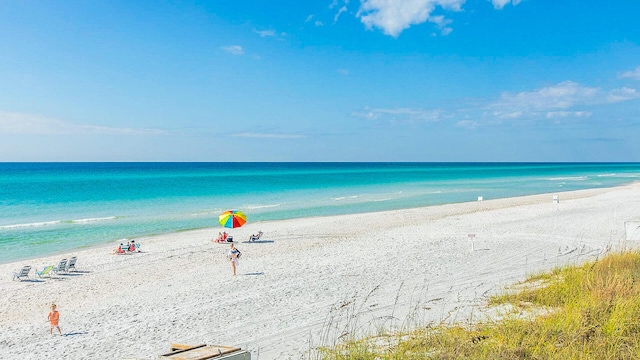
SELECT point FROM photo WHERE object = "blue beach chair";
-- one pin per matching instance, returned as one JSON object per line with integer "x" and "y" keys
{"x": 45, "y": 272}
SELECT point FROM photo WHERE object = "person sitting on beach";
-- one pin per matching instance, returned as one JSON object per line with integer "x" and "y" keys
{"x": 226, "y": 237}
{"x": 134, "y": 246}
{"x": 255, "y": 237}
{"x": 219, "y": 239}
{"x": 119, "y": 250}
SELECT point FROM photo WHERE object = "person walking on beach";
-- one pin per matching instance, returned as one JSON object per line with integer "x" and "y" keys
{"x": 233, "y": 256}
{"x": 54, "y": 317}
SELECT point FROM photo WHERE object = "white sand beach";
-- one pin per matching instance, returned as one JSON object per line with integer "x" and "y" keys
{"x": 309, "y": 280}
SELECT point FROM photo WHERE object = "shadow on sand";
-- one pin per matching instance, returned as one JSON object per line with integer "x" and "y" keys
{"x": 76, "y": 333}
{"x": 257, "y": 242}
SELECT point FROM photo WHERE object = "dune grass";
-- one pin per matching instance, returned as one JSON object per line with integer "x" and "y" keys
{"x": 580, "y": 312}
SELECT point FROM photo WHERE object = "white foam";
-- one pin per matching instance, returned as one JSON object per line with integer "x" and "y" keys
{"x": 253, "y": 207}
{"x": 44, "y": 223}
{"x": 54, "y": 222}
{"x": 574, "y": 178}
{"x": 606, "y": 175}
{"x": 81, "y": 221}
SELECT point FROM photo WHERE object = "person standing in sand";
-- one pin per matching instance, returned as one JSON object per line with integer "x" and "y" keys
{"x": 54, "y": 317}
{"x": 233, "y": 256}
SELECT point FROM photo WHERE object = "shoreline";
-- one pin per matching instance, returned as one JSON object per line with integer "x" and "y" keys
{"x": 114, "y": 243}
{"x": 310, "y": 279}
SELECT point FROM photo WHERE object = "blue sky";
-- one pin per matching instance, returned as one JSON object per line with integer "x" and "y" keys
{"x": 336, "y": 80}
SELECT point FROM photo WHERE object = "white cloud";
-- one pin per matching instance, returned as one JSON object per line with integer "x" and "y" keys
{"x": 233, "y": 49}
{"x": 29, "y": 124}
{"x": 561, "y": 96}
{"x": 265, "y": 33}
{"x": 557, "y": 101}
{"x": 499, "y": 4}
{"x": 318, "y": 23}
{"x": 564, "y": 114}
{"x": 632, "y": 74}
{"x": 467, "y": 124}
{"x": 622, "y": 94}
{"x": 401, "y": 114}
{"x": 508, "y": 115}
{"x": 394, "y": 16}
{"x": 269, "y": 136}
{"x": 309, "y": 18}
{"x": 442, "y": 23}
{"x": 343, "y": 71}
{"x": 340, "y": 11}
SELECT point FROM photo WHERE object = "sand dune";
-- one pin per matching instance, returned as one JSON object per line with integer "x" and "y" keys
{"x": 310, "y": 281}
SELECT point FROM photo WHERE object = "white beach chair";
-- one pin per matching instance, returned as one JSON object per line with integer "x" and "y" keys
{"x": 71, "y": 264}
{"x": 23, "y": 273}
{"x": 61, "y": 267}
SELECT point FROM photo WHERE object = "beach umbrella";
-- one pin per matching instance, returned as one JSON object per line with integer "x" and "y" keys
{"x": 232, "y": 219}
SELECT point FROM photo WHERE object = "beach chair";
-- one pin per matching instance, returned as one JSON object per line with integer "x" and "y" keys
{"x": 61, "y": 267}
{"x": 255, "y": 237}
{"x": 71, "y": 264}
{"x": 23, "y": 273}
{"x": 45, "y": 272}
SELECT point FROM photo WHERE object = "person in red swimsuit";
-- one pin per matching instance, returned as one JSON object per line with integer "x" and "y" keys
{"x": 54, "y": 317}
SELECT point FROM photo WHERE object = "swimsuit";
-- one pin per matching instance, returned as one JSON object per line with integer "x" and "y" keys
{"x": 233, "y": 258}
{"x": 53, "y": 317}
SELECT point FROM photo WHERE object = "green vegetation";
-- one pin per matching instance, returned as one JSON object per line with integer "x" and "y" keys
{"x": 586, "y": 312}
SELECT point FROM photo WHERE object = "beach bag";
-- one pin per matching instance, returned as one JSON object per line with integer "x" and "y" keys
{"x": 239, "y": 254}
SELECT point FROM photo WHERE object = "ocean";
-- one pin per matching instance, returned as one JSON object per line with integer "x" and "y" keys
{"x": 49, "y": 208}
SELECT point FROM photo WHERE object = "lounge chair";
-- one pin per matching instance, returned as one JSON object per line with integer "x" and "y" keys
{"x": 61, "y": 267}
{"x": 255, "y": 237}
{"x": 23, "y": 273}
{"x": 71, "y": 264}
{"x": 46, "y": 271}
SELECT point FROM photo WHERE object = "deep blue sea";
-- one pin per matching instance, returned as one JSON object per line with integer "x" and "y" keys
{"x": 51, "y": 207}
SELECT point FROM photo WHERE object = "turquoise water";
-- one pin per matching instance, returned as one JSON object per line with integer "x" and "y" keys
{"x": 49, "y": 207}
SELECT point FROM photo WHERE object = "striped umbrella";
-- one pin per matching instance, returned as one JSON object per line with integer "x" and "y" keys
{"x": 232, "y": 219}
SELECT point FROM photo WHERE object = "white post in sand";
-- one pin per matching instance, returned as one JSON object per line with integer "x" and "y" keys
{"x": 472, "y": 237}
{"x": 480, "y": 198}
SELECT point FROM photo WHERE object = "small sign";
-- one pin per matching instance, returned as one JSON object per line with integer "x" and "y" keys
{"x": 473, "y": 245}
{"x": 471, "y": 236}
